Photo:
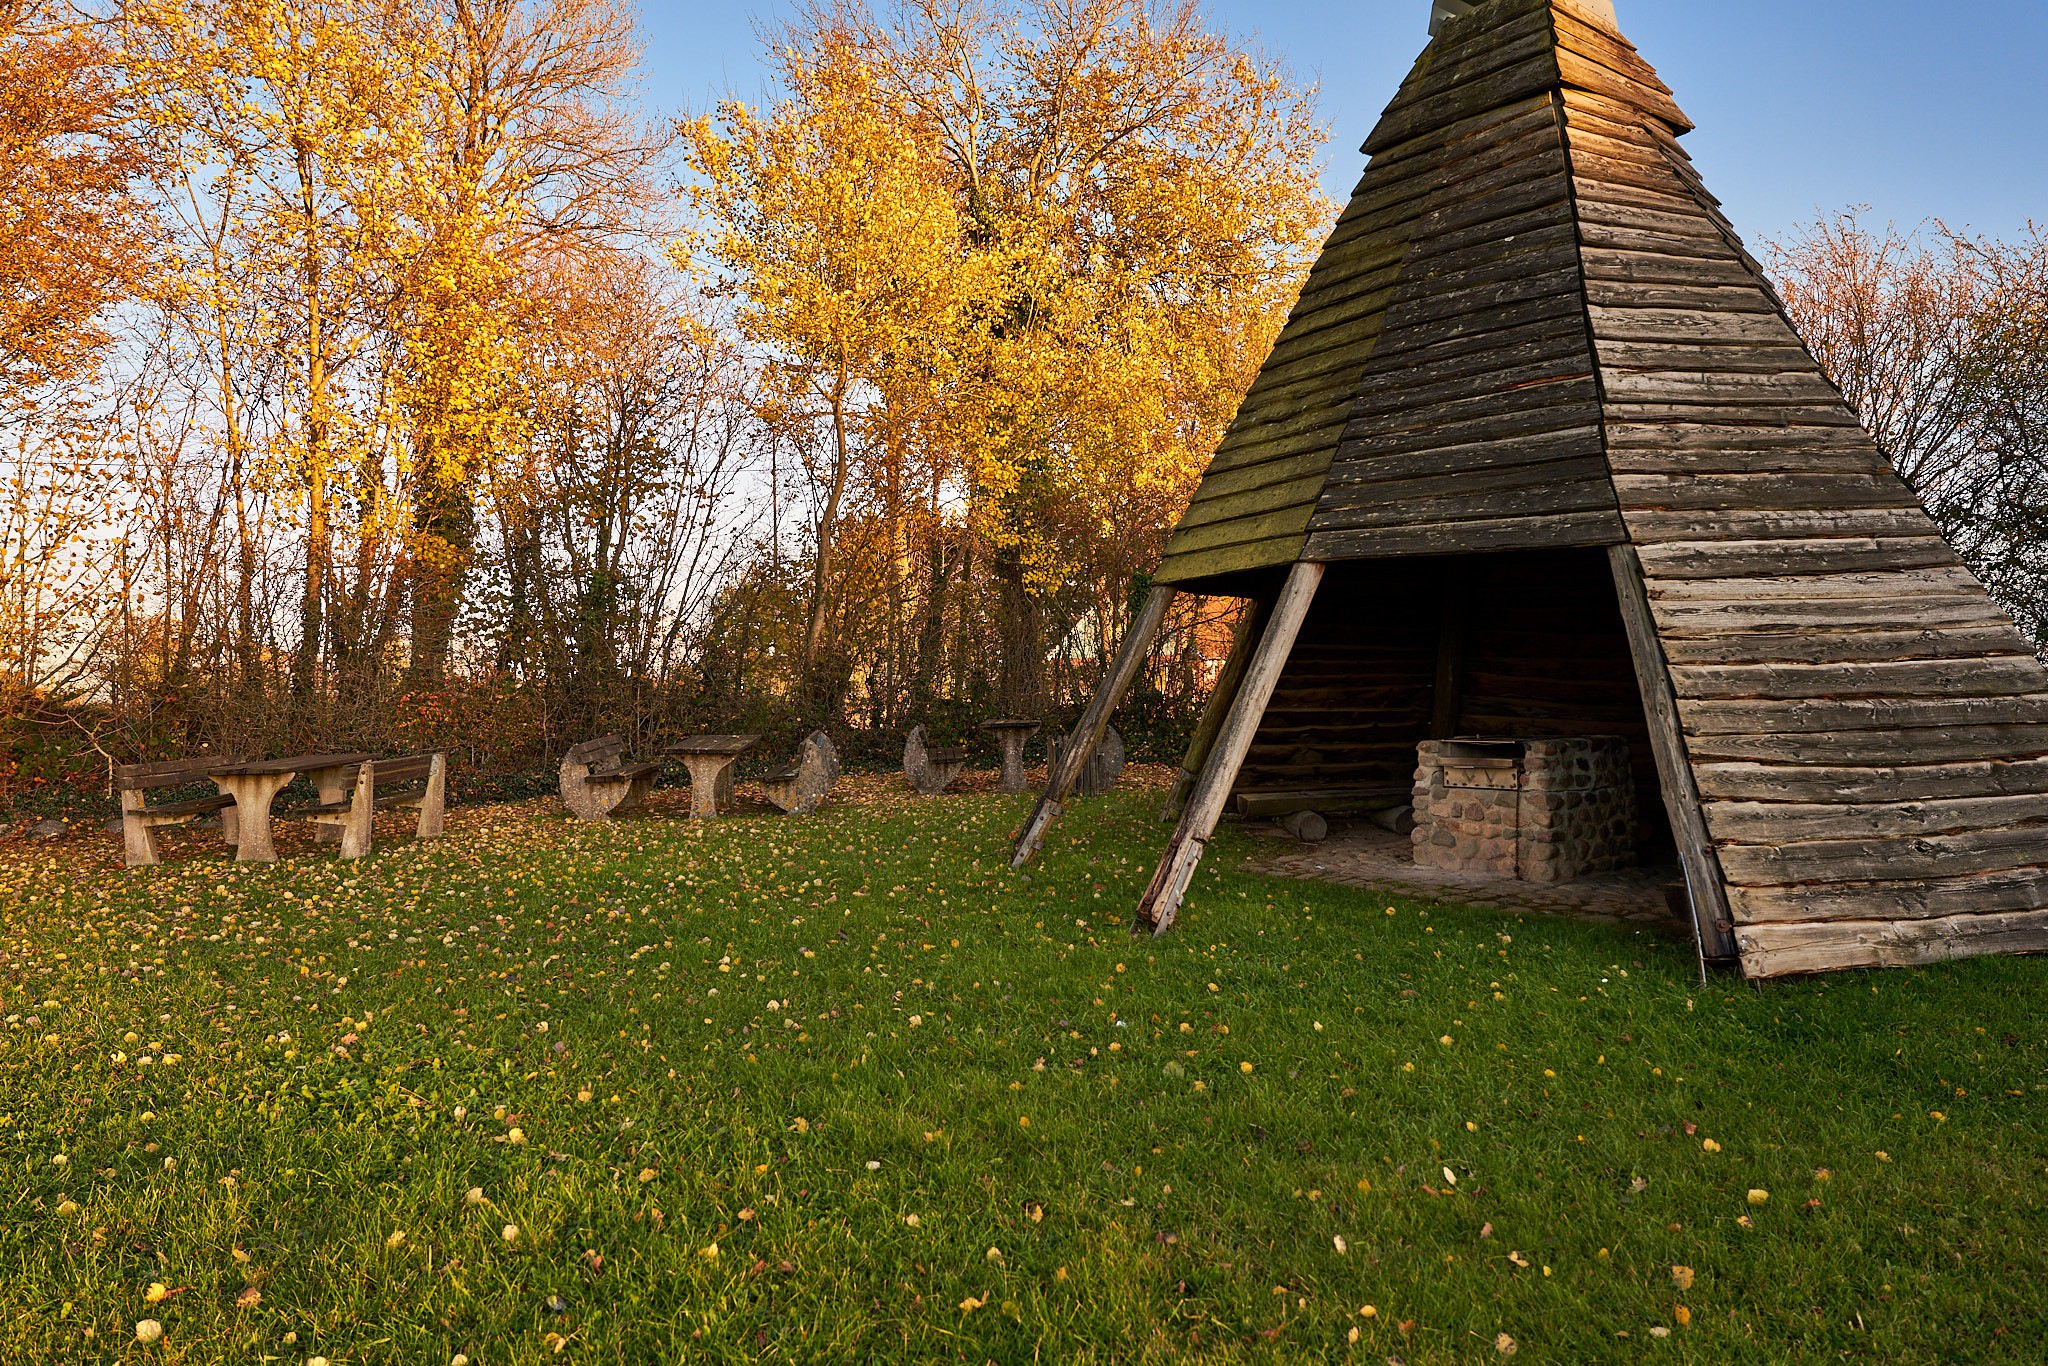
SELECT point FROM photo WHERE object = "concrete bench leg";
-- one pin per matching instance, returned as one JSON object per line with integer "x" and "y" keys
{"x": 230, "y": 826}
{"x": 357, "y": 831}
{"x": 139, "y": 845}
{"x": 332, "y": 786}
{"x": 434, "y": 803}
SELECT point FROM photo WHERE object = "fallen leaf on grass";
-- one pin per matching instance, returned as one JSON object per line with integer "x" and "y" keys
{"x": 1681, "y": 1276}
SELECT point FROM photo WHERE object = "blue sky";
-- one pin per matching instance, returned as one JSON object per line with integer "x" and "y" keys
{"x": 1920, "y": 110}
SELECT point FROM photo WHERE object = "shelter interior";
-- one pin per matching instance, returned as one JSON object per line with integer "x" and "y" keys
{"x": 1511, "y": 644}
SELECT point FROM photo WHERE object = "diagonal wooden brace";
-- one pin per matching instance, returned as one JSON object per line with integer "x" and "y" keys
{"x": 1088, "y": 732}
{"x": 1243, "y": 642}
{"x": 1219, "y": 771}
{"x": 1713, "y": 932}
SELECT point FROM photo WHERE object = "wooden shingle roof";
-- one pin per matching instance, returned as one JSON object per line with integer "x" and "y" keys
{"x": 1533, "y": 327}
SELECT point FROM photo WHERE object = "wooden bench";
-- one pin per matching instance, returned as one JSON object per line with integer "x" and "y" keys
{"x": 139, "y": 819}
{"x": 599, "y": 781}
{"x": 930, "y": 770}
{"x": 1103, "y": 768}
{"x": 800, "y": 787}
{"x": 355, "y": 815}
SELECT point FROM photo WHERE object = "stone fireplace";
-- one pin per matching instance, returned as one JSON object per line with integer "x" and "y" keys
{"x": 1543, "y": 811}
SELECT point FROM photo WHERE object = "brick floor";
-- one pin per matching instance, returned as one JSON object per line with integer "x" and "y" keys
{"x": 1363, "y": 855}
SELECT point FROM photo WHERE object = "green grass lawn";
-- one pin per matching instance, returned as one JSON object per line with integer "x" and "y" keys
{"x": 845, "y": 1088}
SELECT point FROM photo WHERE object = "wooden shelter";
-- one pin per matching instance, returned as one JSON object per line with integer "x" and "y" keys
{"x": 1539, "y": 453}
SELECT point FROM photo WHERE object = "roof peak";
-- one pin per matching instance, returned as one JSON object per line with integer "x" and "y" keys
{"x": 1598, "y": 11}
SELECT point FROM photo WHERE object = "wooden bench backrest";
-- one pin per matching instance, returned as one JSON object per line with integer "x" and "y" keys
{"x": 173, "y": 773}
{"x": 599, "y": 752}
{"x": 404, "y": 769}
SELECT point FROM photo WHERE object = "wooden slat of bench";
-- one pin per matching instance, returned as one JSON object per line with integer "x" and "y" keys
{"x": 621, "y": 771}
{"x": 341, "y": 808}
{"x": 171, "y": 773}
{"x": 197, "y": 806}
{"x": 598, "y": 751}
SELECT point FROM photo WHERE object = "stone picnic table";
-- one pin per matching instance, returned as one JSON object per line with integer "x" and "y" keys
{"x": 1012, "y": 733}
{"x": 255, "y": 785}
{"x": 710, "y": 759}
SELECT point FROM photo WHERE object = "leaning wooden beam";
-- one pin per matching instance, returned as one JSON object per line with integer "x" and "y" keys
{"x": 1087, "y": 733}
{"x": 1713, "y": 926}
{"x": 1219, "y": 771}
{"x": 1228, "y": 679}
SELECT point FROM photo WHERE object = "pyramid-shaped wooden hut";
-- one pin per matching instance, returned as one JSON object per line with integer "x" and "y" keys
{"x": 1538, "y": 453}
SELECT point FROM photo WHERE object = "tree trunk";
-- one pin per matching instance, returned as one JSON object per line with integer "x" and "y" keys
{"x": 828, "y": 521}
{"x": 1020, "y": 688}
{"x": 312, "y": 604}
{"x": 444, "y": 537}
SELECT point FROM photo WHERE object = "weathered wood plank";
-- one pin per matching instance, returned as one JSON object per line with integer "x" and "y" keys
{"x": 1477, "y": 459}
{"x": 1590, "y": 528}
{"x": 1721, "y": 387}
{"x": 1797, "y": 823}
{"x": 1624, "y": 279}
{"x": 1565, "y": 430}
{"x": 1531, "y": 75}
{"x": 1846, "y": 614}
{"x": 1938, "y": 581}
{"x": 1911, "y": 678}
{"x": 1528, "y": 491}
{"x": 2018, "y": 889}
{"x": 1887, "y": 860}
{"x": 1877, "y": 749}
{"x": 1867, "y": 461}
{"x": 1216, "y": 506}
{"x": 1584, "y": 74}
{"x": 1616, "y": 324}
{"x": 1242, "y": 478}
{"x": 1833, "y": 715}
{"x": 1267, "y": 526}
{"x": 1792, "y": 491}
{"x": 1650, "y": 525}
{"x": 1674, "y": 560}
{"x": 1203, "y": 566}
{"x": 1914, "y": 782}
{"x": 1781, "y": 951}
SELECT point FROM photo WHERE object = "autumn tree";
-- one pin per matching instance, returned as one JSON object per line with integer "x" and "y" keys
{"x": 70, "y": 238}
{"x": 829, "y": 221}
{"x": 1125, "y": 203}
{"x": 528, "y": 150}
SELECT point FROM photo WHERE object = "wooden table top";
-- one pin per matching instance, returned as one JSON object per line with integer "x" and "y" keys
{"x": 730, "y": 745}
{"x": 296, "y": 763}
{"x": 1018, "y": 724}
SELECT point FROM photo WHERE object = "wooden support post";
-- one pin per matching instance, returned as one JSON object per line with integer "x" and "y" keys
{"x": 1713, "y": 927}
{"x": 1219, "y": 770}
{"x": 1450, "y": 651}
{"x": 1227, "y": 682}
{"x": 1087, "y": 732}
